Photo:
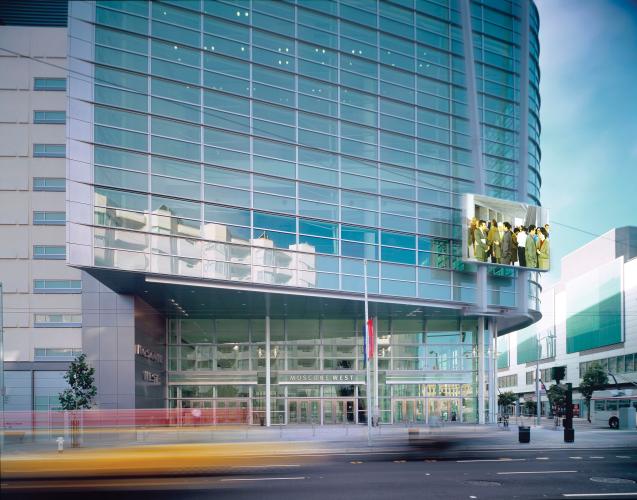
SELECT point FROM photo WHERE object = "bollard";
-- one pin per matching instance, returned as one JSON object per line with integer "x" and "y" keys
{"x": 60, "y": 442}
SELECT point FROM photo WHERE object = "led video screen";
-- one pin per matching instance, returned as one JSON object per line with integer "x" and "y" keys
{"x": 505, "y": 233}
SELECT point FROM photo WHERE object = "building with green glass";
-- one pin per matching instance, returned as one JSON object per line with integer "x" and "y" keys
{"x": 242, "y": 174}
{"x": 589, "y": 317}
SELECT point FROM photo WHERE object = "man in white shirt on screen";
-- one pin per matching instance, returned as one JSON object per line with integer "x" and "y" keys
{"x": 522, "y": 236}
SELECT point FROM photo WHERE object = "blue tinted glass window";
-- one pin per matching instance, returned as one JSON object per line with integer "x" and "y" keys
{"x": 175, "y": 53}
{"x": 120, "y": 119}
{"x": 320, "y": 245}
{"x": 121, "y": 159}
{"x": 226, "y": 102}
{"x": 172, "y": 186}
{"x": 122, "y": 79}
{"x": 176, "y": 168}
{"x": 49, "y": 117}
{"x": 174, "y": 90}
{"x": 117, "y": 58}
{"x": 398, "y": 240}
{"x": 121, "y": 21}
{"x": 276, "y": 222}
{"x": 49, "y": 150}
{"x": 116, "y": 177}
{"x": 176, "y": 34}
{"x": 227, "y": 215}
{"x": 362, "y": 234}
{"x": 121, "y": 98}
{"x": 120, "y": 40}
{"x": 316, "y": 228}
{"x": 227, "y": 196}
{"x": 226, "y": 29}
{"x": 274, "y": 186}
{"x": 398, "y": 255}
{"x": 179, "y": 149}
{"x": 178, "y": 208}
{"x": 225, "y": 177}
{"x": 120, "y": 199}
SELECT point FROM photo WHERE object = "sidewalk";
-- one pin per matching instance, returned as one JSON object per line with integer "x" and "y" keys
{"x": 343, "y": 437}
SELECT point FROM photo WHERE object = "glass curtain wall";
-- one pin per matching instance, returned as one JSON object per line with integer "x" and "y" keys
{"x": 427, "y": 369}
{"x": 281, "y": 143}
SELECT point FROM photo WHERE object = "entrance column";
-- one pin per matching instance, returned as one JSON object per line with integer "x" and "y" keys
{"x": 493, "y": 372}
{"x": 481, "y": 355}
{"x": 267, "y": 361}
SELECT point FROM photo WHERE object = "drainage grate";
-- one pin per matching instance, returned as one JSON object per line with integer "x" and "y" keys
{"x": 612, "y": 480}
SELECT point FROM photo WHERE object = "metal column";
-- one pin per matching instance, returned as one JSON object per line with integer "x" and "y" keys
{"x": 493, "y": 380}
{"x": 481, "y": 355}
{"x": 368, "y": 377}
{"x": 267, "y": 361}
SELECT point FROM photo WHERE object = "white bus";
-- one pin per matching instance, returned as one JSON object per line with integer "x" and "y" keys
{"x": 605, "y": 406}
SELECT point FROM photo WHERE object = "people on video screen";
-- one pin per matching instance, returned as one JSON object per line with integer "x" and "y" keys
{"x": 501, "y": 243}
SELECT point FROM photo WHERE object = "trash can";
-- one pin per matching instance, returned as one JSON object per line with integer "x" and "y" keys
{"x": 569, "y": 435}
{"x": 524, "y": 434}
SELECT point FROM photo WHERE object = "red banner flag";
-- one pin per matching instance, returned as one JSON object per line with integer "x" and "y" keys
{"x": 370, "y": 333}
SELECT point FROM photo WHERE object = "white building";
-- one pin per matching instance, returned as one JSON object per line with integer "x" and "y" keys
{"x": 42, "y": 295}
{"x": 589, "y": 316}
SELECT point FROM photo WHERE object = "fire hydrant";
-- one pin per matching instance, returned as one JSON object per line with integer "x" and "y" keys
{"x": 60, "y": 442}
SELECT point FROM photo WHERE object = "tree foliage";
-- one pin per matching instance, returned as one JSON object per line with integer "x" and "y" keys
{"x": 82, "y": 390}
{"x": 505, "y": 399}
{"x": 530, "y": 407}
{"x": 557, "y": 396}
{"x": 593, "y": 380}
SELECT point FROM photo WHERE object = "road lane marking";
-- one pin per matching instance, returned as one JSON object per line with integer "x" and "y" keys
{"x": 539, "y": 472}
{"x": 295, "y": 478}
{"x": 491, "y": 460}
{"x": 576, "y": 458}
{"x": 596, "y": 457}
{"x": 541, "y": 458}
{"x": 603, "y": 495}
{"x": 399, "y": 461}
{"x": 622, "y": 456}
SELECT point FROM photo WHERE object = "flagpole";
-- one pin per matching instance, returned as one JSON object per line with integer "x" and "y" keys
{"x": 538, "y": 403}
{"x": 367, "y": 366}
{"x": 375, "y": 351}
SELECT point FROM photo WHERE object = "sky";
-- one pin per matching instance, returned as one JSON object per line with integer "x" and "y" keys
{"x": 588, "y": 87}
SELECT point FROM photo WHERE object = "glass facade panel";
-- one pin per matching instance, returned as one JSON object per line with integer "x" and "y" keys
{"x": 280, "y": 144}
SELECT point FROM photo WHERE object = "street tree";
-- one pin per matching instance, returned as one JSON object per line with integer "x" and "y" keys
{"x": 557, "y": 397}
{"x": 594, "y": 379}
{"x": 506, "y": 399}
{"x": 80, "y": 393}
{"x": 530, "y": 407}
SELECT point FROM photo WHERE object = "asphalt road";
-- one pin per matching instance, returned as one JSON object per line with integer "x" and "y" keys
{"x": 410, "y": 473}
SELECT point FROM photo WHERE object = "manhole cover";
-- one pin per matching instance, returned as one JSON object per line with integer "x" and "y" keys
{"x": 612, "y": 480}
{"x": 479, "y": 482}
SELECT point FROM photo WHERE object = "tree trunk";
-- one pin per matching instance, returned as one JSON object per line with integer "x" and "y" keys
{"x": 588, "y": 410}
{"x": 75, "y": 430}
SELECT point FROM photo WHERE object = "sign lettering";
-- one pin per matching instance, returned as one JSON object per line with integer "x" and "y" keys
{"x": 147, "y": 353}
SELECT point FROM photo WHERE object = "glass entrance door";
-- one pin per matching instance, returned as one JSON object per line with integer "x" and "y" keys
{"x": 409, "y": 410}
{"x": 304, "y": 411}
{"x": 339, "y": 411}
{"x": 443, "y": 410}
